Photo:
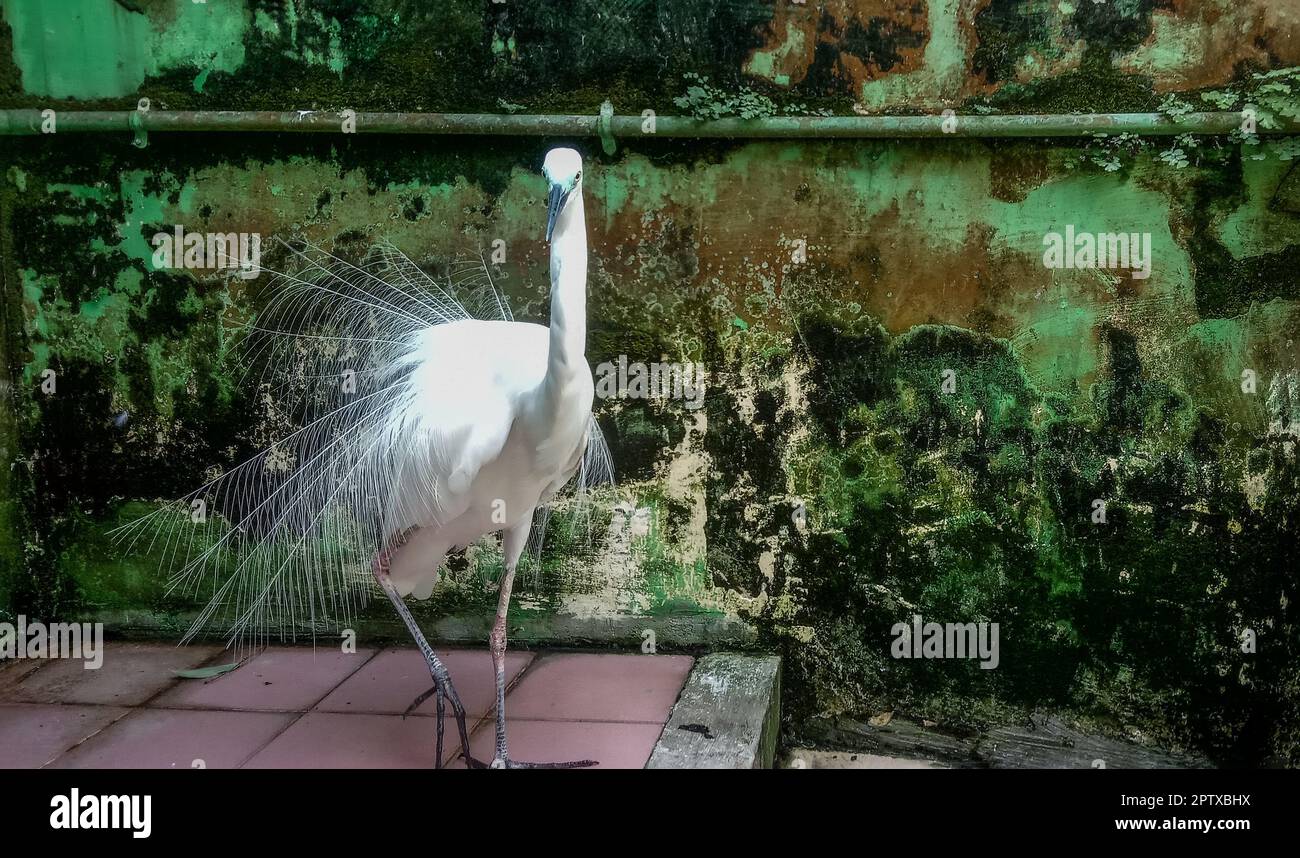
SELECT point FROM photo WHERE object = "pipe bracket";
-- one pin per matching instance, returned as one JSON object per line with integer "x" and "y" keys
{"x": 136, "y": 121}
{"x": 605, "y": 127}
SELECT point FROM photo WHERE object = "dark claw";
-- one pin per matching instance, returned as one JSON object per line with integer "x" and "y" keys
{"x": 474, "y": 763}
{"x": 576, "y": 764}
{"x": 419, "y": 700}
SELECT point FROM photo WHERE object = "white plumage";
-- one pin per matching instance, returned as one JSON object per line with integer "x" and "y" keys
{"x": 486, "y": 464}
{"x": 426, "y": 429}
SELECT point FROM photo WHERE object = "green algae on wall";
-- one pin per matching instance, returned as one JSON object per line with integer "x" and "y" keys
{"x": 978, "y": 506}
{"x": 92, "y": 49}
{"x": 895, "y": 55}
{"x": 13, "y": 524}
{"x": 327, "y": 51}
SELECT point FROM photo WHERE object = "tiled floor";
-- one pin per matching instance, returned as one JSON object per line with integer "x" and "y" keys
{"x": 302, "y": 708}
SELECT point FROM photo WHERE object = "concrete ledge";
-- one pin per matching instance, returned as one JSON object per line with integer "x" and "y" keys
{"x": 727, "y": 716}
{"x": 382, "y": 626}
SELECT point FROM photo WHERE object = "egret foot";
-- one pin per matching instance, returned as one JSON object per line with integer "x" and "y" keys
{"x": 507, "y": 763}
{"x": 503, "y": 763}
{"x": 442, "y": 687}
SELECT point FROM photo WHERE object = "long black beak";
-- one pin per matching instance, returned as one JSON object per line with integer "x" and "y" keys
{"x": 553, "y": 208}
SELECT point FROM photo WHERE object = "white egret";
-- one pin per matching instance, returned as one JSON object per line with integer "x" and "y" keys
{"x": 427, "y": 430}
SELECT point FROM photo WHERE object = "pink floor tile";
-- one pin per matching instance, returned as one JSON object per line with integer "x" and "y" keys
{"x": 131, "y": 674}
{"x": 605, "y": 707}
{"x": 12, "y": 672}
{"x": 280, "y": 679}
{"x": 611, "y": 745}
{"x": 600, "y": 687}
{"x": 355, "y": 741}
{"x": 31, "y": 734}
{"x": 392, "y": 679}
{"x": 175, "y": 738}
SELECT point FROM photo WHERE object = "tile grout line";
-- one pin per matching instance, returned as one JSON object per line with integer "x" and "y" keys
{"x": 587, "y": 721}
{"x": 130, "y": 708}
{"x": 300, "y": 714}
{"x": 61, "y": 702}
{"x": 175, "y": 682}
{"x": 471, "y": 730}
{"x": 490, "y": 715}
{"x": 539, "y": 656}
{"x": 83, "y": 739}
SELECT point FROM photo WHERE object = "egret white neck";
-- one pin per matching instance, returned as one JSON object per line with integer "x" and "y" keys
{"x": 568, "y": 345}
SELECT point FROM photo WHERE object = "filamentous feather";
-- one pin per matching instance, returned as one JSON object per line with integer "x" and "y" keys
{"x": 283, "y": 542}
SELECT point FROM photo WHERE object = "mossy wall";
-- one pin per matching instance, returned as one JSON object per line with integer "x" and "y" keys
{"x": 828, "y": 288}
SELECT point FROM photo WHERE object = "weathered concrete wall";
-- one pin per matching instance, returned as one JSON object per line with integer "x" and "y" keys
{"x": 825, "y": 374}
{"x": 465, "y": 55}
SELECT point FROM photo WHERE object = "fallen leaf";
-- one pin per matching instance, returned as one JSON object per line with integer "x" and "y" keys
{"x": 207, "y": 672}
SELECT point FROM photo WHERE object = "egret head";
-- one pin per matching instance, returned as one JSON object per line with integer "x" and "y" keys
{"x": 563, "y": 171}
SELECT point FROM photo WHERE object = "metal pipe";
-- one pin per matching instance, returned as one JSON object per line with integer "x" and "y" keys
{"x": 29, "y": 122}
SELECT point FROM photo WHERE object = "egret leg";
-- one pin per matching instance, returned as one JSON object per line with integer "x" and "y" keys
{"x": 441, "y": 679}
{"x": 442, "y": 706}
{"x": 512, "y": 545}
